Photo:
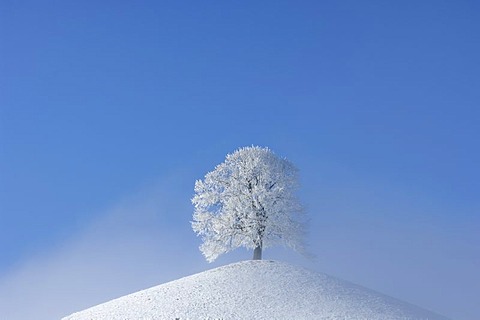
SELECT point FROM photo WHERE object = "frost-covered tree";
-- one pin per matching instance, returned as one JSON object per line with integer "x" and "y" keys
{"x": 248, "y": 201}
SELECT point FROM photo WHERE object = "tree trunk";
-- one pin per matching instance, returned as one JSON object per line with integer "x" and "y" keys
{"x": 257, "y": 253}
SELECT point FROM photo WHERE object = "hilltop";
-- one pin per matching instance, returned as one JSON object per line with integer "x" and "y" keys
{"x": 256, "y": 290}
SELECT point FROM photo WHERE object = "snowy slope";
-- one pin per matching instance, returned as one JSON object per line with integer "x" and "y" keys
{"x": 256, "y": 290}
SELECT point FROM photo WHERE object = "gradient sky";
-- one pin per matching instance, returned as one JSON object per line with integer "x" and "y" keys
{"x": 110, "y": 110}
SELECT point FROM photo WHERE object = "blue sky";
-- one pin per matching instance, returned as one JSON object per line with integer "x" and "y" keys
{"x": 109, "y": 111}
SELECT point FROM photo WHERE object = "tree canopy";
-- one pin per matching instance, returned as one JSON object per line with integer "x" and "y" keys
{"x": 249, "y": 201}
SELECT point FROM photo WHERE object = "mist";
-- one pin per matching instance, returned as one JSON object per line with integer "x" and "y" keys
{"x": 382, "y": 238}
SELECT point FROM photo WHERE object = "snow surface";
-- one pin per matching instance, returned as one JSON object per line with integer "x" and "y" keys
{"x": 256, "y": 290}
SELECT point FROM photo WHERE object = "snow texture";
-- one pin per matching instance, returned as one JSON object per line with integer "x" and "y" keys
{"x": 256, "y": 290}
{"x": 248, "y": 201}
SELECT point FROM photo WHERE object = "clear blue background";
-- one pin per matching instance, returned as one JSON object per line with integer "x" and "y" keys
{"x": 376, "y": 102}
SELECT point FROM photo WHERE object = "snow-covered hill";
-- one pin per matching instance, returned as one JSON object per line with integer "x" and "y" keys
{"x": 256, "y": 290}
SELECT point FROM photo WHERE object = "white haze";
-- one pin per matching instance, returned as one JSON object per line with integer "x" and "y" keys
{"x": 132, "y": 246}
{"x": 376, "y": 237}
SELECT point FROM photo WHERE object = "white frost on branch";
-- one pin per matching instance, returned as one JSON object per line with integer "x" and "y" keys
{"x": 248, "y": 201}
